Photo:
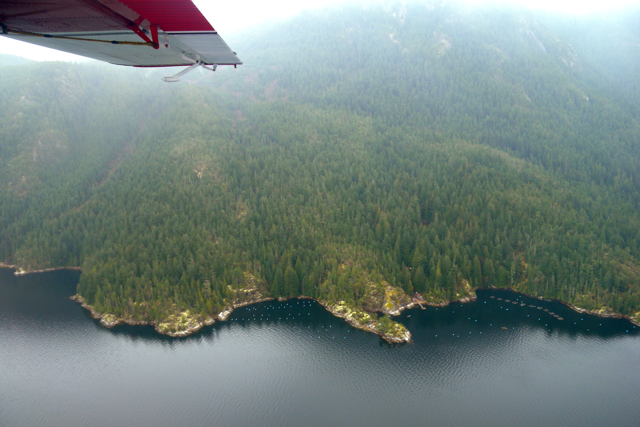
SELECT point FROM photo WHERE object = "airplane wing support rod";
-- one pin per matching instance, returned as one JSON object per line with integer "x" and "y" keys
{"x": 196, "y": 63}
{"x": 176, "y": 78}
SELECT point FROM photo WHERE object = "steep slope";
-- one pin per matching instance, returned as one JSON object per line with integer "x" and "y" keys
{"x": 358, "y": 157}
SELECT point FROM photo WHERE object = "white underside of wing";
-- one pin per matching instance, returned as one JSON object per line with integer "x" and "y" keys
{"x": 209, "y": 47}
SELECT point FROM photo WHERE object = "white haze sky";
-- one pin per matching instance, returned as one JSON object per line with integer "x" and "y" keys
{"x": 230, "y": 16}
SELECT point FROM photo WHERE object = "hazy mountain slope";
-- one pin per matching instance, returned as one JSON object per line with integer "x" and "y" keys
{"x": 610, "y": 42}
{"x": 63, "y": 130}
{"x": 12, "y": 60}
{"x": 432, "y": 149}
{"x": 461, "y": 73}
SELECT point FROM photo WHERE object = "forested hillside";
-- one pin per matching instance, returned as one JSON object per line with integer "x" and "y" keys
{"x": 431, "y": 149}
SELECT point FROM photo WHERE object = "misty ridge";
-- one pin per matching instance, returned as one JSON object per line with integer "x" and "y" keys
{"x": 362, "y": 155}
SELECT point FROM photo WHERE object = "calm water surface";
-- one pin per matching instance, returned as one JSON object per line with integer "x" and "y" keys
{"x": 294, "y": 364}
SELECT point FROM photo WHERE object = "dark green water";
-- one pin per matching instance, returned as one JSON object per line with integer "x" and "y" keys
{"x": 294, "y": 364}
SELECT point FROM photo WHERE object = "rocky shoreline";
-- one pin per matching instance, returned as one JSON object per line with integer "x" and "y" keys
{"x": 191, "y": 323}
{"x": 356, "y": 317}
{"x": 605, "y": 313}
{"x": 399, "y": 335}
{"x": 21, "y": 272}
{"x": 18, "y": 271}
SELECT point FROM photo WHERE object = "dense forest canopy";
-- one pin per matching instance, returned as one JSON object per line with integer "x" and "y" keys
{"x": 435, "y": 149}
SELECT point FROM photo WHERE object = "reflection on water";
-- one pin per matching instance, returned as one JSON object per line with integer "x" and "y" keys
{"x": 492, "y": 362}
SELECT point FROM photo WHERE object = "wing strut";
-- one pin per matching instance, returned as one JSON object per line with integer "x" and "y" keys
{"x": 196, "y": 63}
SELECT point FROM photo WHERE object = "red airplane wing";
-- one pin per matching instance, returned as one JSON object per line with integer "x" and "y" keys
{"x": 141, "y": 33}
